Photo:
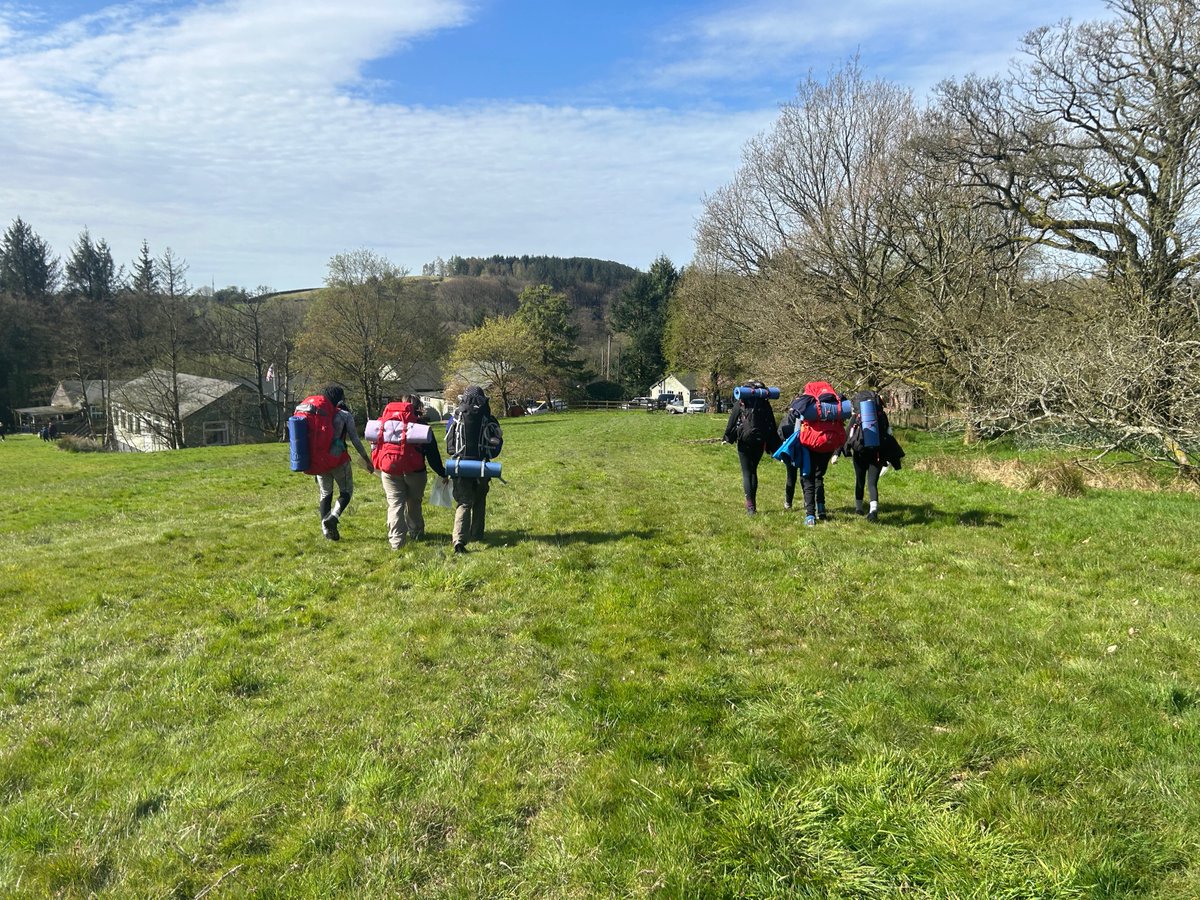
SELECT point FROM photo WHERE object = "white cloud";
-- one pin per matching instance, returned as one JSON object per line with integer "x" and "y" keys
{"x": 225, "y": 133}
{"x": 239, "y": 133}
{"x": 918, "y": 43}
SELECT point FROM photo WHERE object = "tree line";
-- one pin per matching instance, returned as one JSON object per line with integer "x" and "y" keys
{"x": 370, "y": 327}
{"x": 1023, "y": 248}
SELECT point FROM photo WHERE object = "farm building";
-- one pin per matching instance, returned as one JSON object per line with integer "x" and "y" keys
{"x": 159, "y": 412}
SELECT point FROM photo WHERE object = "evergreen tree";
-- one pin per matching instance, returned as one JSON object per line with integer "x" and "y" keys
{"x": 88, "y": 341}
{"x": 28, "y": 278}
{"x": 92, "y": 277}
{"x": 640, "y": 311}
{"x": 27, "y": 270}
{"x": 546, "y": 314}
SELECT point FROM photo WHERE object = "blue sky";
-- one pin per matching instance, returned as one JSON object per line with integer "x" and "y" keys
{"x": 257, "y": 138}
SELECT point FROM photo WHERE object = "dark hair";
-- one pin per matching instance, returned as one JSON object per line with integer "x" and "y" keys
{"x": 334, "y": 393}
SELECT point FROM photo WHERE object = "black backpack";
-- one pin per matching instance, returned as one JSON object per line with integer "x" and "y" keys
{"x": 474, "y": 433}
{"x": 854, "y": 437}
{"x": 756, "y": 420}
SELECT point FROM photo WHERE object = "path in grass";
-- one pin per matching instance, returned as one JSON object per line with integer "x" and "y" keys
{"x": 631, "y": 689}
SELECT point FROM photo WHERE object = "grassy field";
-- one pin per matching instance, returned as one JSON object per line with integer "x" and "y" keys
{"x": 632, "y": 689}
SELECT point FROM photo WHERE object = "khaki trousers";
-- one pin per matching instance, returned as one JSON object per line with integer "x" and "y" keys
{"x": 470, "y": 495}
{"x": 405, "y": 494}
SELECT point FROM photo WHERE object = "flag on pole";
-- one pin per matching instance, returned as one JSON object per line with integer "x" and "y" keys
{"x": 271, "y": 372}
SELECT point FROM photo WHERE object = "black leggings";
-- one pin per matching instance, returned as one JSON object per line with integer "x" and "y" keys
{"x": 866, "y": 471}
{"x": 750, "y": 455}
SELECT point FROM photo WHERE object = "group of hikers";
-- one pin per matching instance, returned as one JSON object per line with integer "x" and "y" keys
{"x": 403, "y": 445}
{"x": 819, "y": 426}
{"x": 813, "y": 434}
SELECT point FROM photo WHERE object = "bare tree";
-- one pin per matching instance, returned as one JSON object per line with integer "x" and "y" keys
{"x": 252, "y": 331}
{"x": 369, "y": 327}
{"x": 170, "y": 343}
{"x": 808, "y": 220}
{"x": 705, "y": 333}
{"x": 1093, "y": 142}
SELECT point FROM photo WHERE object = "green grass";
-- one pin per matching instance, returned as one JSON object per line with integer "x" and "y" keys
{"x": 632, "y": 690}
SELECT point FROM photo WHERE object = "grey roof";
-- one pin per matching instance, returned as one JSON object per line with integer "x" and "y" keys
{"x": 688, "y": 379}
{"x": 73, "y": 392}
{"x": 151, "y": 392}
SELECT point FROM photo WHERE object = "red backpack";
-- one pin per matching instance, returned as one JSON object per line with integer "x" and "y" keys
{"x": 824, "y": 435}
{"x": 318, "y": 414}
{"x": 397, "y": 458}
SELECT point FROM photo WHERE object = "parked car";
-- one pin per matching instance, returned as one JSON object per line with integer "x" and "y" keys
{"x": 545, "y": 406}
{"x": 678, "y": 407}
{"x": 638, "y": 403}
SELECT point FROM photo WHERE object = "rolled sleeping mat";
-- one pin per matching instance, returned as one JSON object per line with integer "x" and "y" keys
{"x": 394, "y": 432}
{"x": 870, "y": 423}
{"x": 297, "y": 427}
{"x": 745, "y": 393}
{"x": 472, "y": 468}
{"x": 827, "y": 412}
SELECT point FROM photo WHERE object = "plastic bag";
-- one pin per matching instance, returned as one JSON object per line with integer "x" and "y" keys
{"x": 440, "y": 494}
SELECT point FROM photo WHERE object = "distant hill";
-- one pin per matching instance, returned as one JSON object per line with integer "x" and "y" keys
{"x": 472, "y": 288}
{"x": 556, "y": 271}
{"x": 467, "y": 290}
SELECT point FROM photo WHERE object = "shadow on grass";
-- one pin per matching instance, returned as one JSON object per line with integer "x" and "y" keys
{"x": 526, "y": 421}
{"x": 900, "y": 515}
{"x": 514, "y": 536}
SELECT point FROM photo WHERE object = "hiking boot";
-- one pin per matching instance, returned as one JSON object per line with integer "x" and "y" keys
{"x": 810, "y": 521}
{"x": 786, "y": 506}
{"x": 821, "y": 517}
{"x": 873, "y": 516}
{"x": 858, "y": 510}
{"x": 460, "y": 548}
{"x": 329, "y": 525}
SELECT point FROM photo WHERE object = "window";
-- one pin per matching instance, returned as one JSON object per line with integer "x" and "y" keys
{"x": 216, "y": 434}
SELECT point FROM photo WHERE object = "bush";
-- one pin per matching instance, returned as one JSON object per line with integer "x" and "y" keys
{"x": 1060, "y": 478}
{"x": 74, "y": 444}
{"x": 605, "y": 390}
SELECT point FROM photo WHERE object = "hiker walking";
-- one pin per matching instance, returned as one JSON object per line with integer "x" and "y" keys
{"x": 400, "y": 456}
{"x": 790, "y": 425}
{"x": 872, "y": 448}
{"x": 329, "y": 424}
{"x": 821, "y": 411}
{"x": 472, "y": 434}
{"x": 751, "y": 427}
